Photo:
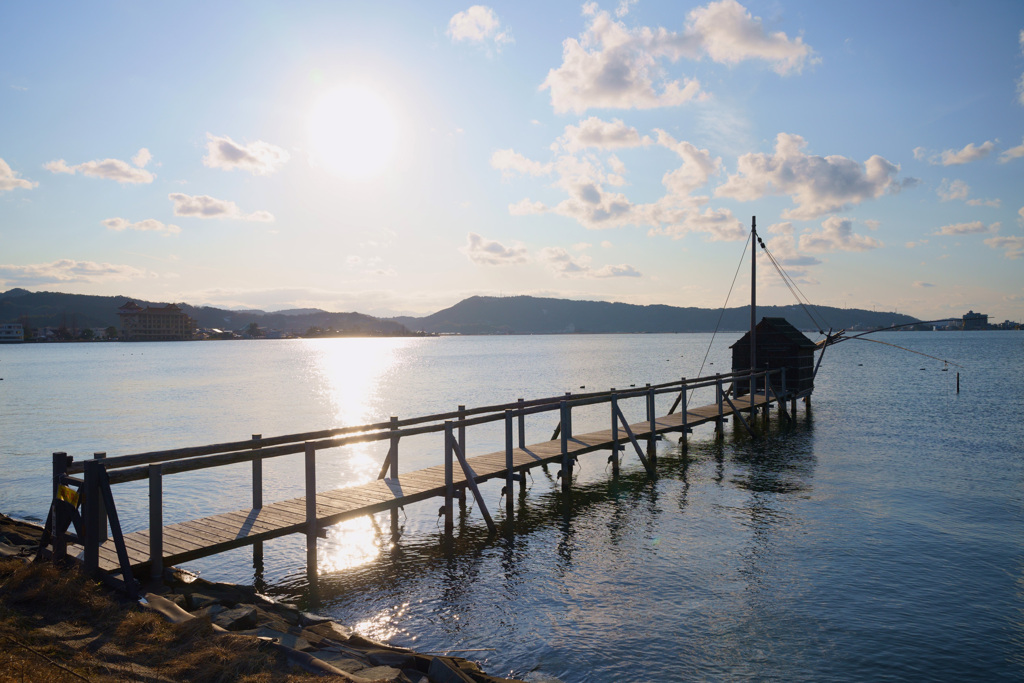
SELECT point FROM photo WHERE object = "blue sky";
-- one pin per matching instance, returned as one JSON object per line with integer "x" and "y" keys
{"x": 398, "y": 157}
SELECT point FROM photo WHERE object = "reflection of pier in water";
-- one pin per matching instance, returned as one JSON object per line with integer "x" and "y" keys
{"x": 736, "y": 394}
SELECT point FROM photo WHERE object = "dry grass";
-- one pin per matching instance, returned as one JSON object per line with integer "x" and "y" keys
{"x": 56, "y": 625}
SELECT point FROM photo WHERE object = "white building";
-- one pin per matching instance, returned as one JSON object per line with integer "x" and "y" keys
{"x": 11, "y": 333}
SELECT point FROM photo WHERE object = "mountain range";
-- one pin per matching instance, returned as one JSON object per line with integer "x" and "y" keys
{"x": 475, "y": 315}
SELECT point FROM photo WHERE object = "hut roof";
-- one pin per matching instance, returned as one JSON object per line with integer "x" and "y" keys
{"x": 782, "y": 327}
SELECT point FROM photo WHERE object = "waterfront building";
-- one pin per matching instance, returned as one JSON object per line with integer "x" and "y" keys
{"x": 11, "y": 333}
{"x": 167, "y": 323}
{"x": 975, "y": 321}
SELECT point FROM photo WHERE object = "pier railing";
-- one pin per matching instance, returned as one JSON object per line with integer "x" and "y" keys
{"x": 102, "y": 471}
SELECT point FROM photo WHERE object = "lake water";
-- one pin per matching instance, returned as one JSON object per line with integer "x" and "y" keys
{"x": 880, "y": 538}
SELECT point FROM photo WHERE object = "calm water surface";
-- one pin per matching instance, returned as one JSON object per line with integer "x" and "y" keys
{"x": 880, "y": 538}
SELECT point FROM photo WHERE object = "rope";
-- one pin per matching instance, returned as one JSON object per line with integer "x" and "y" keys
{"x": 721, "y": 313}
{"x": 795, "y": 291}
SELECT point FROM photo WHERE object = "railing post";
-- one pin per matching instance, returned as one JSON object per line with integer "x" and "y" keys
{"x": 682, "y": 403}
{"x": 394, "y": 447}
{"x": 753, "y": 390}
{"x": 102, "y": 521}
{"x": 615, "y": 433}
{"x": 449, "y": 485}
{"x": 311, "y": 561}
{"x": 522, "y": 424}
{"x": 90, "y": 515}
{"x": 566, "y": 417}
{"x": 783, "y": 389}
{"x": 510, "y": 477}
{"x": 257, "y": 474}
{"x": 652, "y": 442}
{"x": 719, "y": 428}
{"x": 156, "y": 521}
{"x": 60, "y": 468}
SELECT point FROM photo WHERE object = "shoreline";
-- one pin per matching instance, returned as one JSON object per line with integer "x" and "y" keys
{"x": 310, "y": 642}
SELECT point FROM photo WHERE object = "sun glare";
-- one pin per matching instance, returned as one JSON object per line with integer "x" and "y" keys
{"x": 353, "y": 131}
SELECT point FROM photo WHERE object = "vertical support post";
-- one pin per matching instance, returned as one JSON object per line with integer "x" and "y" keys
{"x": 449, "y": 486}
{"x": 257, "y": 474}
{"x": 564, "y": 412}
{"x": 719, "y": 429}
{"x": 60, "y": 468}
{"x": 652, "y": 439}
{"x": 462, "y": 429}
{"x": 257, "y": 503}
{"x": 90, "y": 515}
{"x": 156, "y": 521}
{"x": 615, "y": 434}
{"x": 567, "y": 427}
{"x": 102, "y": 522}
{"x": 393, "y": 452}
{"x": 958, "y": 382}
{"x": 522, "y": 424}
{"x": 510, "y": 477}
{"x": 311, "y": 560}
{"x": 782, "y": 390}
{"x": 683, "y": 402}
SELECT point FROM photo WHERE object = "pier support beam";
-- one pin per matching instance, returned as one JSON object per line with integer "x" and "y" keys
{"x": 566, "y": 434}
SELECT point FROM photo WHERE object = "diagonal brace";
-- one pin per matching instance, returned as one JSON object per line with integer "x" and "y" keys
{"x": 471, "y": 479}
{"x": 639, "y": 451}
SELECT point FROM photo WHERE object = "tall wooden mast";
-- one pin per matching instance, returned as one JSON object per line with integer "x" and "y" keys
{"x": 753, "y": 293}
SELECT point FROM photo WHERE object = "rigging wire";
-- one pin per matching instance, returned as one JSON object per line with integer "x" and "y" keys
{"x": 879, "y": 341}
{"x": 796, "y": 292}
{"x": 722, "y": 311}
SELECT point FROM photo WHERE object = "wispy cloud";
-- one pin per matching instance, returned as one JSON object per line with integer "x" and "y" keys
{"x": 205, "y": 206}
{"x": 563, "y": 264}
{"x": 260, "y": 158}
{"x": 955, "y": 157}
{"x": 148, "y": 225}
{"x": 111, "y": 169}
{"x": 486, "y": 252}
{"x": 837, "y": 234}
{"x": 1012, "y": 153}
{"x": 971, "y": 228}
{"x": 1012, "y": 245}
{"x": 9, "y": 179}
{"x": 66, "y": 271}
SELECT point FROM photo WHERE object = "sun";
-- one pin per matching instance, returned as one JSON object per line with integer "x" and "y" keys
{"x": 353, "y": 131}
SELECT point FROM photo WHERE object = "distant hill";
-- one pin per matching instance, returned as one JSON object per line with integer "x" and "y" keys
{"x": 54, "y": 309}
{"x": 534, "y": 315}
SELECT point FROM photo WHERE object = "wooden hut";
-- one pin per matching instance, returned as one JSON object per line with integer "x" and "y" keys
{"x": 779, "y": 345}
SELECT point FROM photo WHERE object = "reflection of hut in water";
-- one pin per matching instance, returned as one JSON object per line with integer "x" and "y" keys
{"x": 779, "y": 345}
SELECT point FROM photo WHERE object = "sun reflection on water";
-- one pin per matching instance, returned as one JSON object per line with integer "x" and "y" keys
{"x": 350, "y": 544}
{"x": 383, "y": 625}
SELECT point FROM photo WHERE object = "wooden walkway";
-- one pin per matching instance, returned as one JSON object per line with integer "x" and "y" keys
{"x": 191, "y": 540}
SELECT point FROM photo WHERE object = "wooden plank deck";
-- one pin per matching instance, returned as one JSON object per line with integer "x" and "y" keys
{"x": 191, "y": 540}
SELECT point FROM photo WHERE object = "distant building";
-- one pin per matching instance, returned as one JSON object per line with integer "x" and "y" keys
{"x": 975, "y": 321}
{"x": 11, "y": 333}
{"x": 168, "y": 323}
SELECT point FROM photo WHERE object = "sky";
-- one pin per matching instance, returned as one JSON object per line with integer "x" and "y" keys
{"x": 397, "y": 157}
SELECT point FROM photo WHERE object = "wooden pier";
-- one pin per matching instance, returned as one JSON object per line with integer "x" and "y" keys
{"x": 113, "y": 553}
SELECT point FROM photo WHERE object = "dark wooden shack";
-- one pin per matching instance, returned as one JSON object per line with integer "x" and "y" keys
{"x": 779, "y": 345}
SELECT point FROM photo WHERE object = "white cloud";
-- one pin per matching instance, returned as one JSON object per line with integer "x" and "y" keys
{"x": 971, "y": 152}
{"x": 261, "y": 158}
{"x": 1012, "y": 153}
{"x": 611, "y": 65}
{"x": 111, "y": 169}
{"x": 624, "y": 7}
{"x": 817, "y": 185}
{"x": 621, "y": 270}
{"x": 953, "y": 189}
{"x": 1020, "y": 214}
{"x": 719, "y": 224}
{"x": 923, "y": 285}
{"x": 697, "y": 166}
{"x": 150, "y": 224}
{"x": 593, "y": 132}
{"x": 142, "y": 158}
{"x": 971, "y": 228}
{"x": 204, "y": 206}
{"x": 525, "y": 207}
{"x": 562, "y": 263}
{"x": 1013, "y": 245}
{"x": 509, "y": 161}
{"x": 837, "y": 235}
{"x": 9, "y": 179}
{"x": 490, "y": 253}
{"x": 994, "y": 203}
{"x": 66, "y": 271}
{"x": 478, "y": 24}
